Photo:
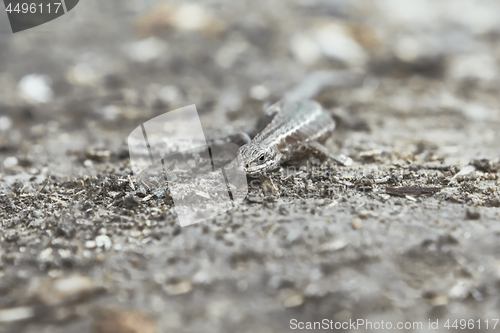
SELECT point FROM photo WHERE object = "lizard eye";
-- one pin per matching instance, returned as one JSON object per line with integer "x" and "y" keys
{"x": 261, "y": 158}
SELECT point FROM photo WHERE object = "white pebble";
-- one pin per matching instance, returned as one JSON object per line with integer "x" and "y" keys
{"x": 192, "y": 17}
{"x": 10, "y": 162}
{"x": 46, "y": 255}
{"x": 335, "y": 42}
{"x": 480, "y": 66}
{"x": 111, "y": 112}
{"x": 90, "y": 244}
{"x": 305, "y": 49}
{"x": 169, "y": 94}
{"x": 331, "y": 40}
{"x": 14, "y": 314}
{"x": 146, "y": 50}
{"x": 103, "y": 241}
{"x": 83, "y": 74}
{"x": 36, "y": 87}
{"x": 463, "y": 172}
{"x": 5, "y": 123}
{"x": 259, "y": 92}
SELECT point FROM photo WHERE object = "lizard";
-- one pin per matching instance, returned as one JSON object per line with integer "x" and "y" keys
{"x": 296, "y": 129}
{"x": 298, "y": 126}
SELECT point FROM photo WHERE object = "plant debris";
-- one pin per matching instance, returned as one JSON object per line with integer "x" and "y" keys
{"x": 411, "y": 191}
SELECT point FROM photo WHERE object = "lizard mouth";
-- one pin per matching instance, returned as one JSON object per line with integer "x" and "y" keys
{"x": 253, "y": 170}
{"x": 259, "y": 168}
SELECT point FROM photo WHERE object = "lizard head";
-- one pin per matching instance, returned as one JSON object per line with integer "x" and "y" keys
{"x": 256, "y": 158}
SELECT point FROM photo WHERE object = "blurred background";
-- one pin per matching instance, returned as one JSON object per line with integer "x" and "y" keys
{"x": 73, "y": 89}
{"x": 96, "y": 72}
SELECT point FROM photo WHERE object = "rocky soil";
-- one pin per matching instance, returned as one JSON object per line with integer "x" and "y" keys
{"x": 409, "y": 232}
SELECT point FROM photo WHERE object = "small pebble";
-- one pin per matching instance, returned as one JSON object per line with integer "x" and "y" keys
{"x": 15, "y": 314}
{"x": 10, "y": 162}
{"x": 146, "y": 50}
{"x": 370, "y": 154}
{"x": 66, "y": 289}
{"x": 115, "y": 321}
{"x": 314, "y": 290}
{"x": 98, "y": 155}
{"x": 472, "y": 214}
{"x": 46, "y": 255}
{"x": 135, "y": 233}
{"x": 283, "y": 210}
{"x": 180, "y": 288}
{"x": 385, "y": 196}
{"x": 36, "y": 88}
{"x": 259, "y": 92}
{"x": 293, "y": 301}
{"x": 438, "y": 300}
{"x": 103, "y": 241}
{"x": 90, "y": 244}
{"x": 356, "y": 224}
{"x": 5, "y": 123}
{"x": 364, "y": 214}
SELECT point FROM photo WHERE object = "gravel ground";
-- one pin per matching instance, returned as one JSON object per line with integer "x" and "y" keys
{"x": 408, "y": 233}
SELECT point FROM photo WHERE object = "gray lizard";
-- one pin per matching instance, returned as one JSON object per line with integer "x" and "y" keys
{"x": 296, "y": 129}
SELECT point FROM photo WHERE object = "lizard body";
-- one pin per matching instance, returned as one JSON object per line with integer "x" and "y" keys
{"x": 296, "y": 128}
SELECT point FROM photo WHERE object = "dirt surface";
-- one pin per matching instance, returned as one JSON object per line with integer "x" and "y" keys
{"x": 408, "y": 233}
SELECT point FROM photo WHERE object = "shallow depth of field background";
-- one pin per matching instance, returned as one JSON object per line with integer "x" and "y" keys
{"x": 81, "y": 251}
